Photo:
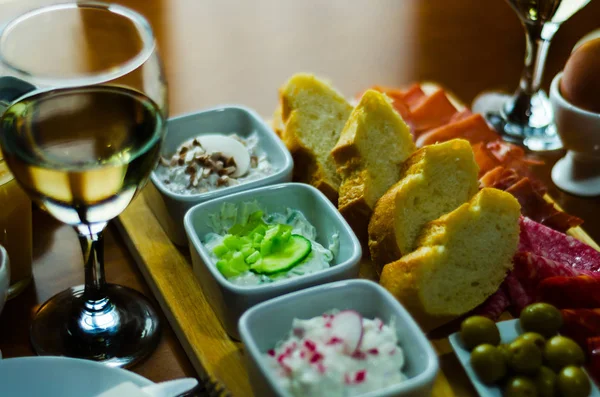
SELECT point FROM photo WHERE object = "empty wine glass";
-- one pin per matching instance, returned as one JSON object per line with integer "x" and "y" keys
{"x": 85, "y": 109}
{"x": 526, "y": 117}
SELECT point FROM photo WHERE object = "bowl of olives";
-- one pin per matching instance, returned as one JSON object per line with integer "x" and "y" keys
{"x": 522, "y": 357}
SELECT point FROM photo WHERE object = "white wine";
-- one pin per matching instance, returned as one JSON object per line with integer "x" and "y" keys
{"x": 82, "y": 153}
{"x": 547, "y": 11}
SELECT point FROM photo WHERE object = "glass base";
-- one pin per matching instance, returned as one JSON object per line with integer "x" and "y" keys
{"x": 118, "y": 331}
{"x": 537, "y": 134}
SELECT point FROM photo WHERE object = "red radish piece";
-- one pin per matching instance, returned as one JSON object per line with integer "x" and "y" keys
{"x": 348, "y": 326}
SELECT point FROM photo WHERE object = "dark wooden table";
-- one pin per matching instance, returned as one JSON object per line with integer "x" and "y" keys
{"x": 240, "y": 51}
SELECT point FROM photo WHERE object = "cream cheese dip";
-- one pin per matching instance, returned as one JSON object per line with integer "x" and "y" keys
{"x": 337, "y": 354}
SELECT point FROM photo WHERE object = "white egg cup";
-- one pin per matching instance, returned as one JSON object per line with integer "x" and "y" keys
{"x": 578, "y": 172}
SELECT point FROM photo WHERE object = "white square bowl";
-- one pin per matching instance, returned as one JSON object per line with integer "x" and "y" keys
{"x": 169, "y": 207}
{"x": 270, "y": 322}
{"x": 229, "y": 300}
{"x": 4, "y": 277}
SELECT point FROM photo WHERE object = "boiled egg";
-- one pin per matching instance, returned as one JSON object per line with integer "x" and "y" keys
{"x": 230, "y": 147}
{"x": 580, "y": 83}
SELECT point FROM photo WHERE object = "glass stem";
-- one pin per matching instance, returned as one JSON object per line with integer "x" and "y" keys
{"x": 538, "y": 38}
{"x": 92, "y": 246}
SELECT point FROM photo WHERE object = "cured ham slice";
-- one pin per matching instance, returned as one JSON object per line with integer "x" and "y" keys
{"x": 490, "y": 155}
{"x": 545, "y": 242}
{"x": 493, "y": 306}
{"x": 430, "y": 112}
{"x": 536, "y": 208}
{"x": 500, "y": 178}
{"x": 473, "y": 128}
{"x": 398, "y": 98}
{"x": 413, "y": 95}
{"x": 531, "y": 198}
{"x": 581, "y": 292}
{"x": 581, "y": 324}
{"x": 463, "y": 114}
{"x": 484, "y": 158}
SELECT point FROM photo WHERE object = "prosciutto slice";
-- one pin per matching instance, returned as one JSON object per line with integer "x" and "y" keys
{"x": 500, "y": 178}
{"x": 473, "y": 128}
{"x": 531, "y": 198}
{"x": 535, "y": 207}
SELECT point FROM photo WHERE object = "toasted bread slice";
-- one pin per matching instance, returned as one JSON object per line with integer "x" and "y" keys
{"x": 435, "y": 180}
{"x": 462, "y": 259}
{"x": 313, "y": 114}
{"x": 369, "y": 154}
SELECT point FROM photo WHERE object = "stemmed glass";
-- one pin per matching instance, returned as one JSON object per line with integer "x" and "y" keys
{"x": 85, "y": 105}
{"x": 526, "y": 117}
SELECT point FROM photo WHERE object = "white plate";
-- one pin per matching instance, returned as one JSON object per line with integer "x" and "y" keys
{"x": 509, "y": 330}
{"x": 60, "y": 377}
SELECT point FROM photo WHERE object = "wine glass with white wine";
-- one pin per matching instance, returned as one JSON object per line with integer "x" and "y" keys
{"x": 84, "y": 118}
{"x": 526, "y": 117}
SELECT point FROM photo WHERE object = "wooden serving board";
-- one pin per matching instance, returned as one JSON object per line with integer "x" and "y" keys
{"x": 168, "y": 271}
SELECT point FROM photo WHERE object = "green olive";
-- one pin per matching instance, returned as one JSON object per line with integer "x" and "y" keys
{"x": 477, "y": 330}
{"x": 573, "y": 382}
{"x": 520, "y": 386}
{"x": 525, "y": 356}
{"x": 542, "y": 318}
{"x": 561, "y": 351}
{"x": 545, "y": 382}
{"x": 505, "y": 350}
{"x": 488, "y": 363}
{"x": 536, "y": 338}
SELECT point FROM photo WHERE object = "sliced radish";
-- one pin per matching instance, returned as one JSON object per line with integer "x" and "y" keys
{"x": 230, "y": 147}
{"x": 348, "y": 326}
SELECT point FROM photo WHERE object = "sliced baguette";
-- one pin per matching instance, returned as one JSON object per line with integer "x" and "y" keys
{"x": 369, "y": 154}
{"x": 435, "y": 180}
{"x": 313, "y": 114}
{"x": 462, "y": 259}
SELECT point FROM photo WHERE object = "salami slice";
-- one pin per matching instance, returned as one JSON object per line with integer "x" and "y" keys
{"x": 545, "y": 242}
{"x": 519, "y": 296}
{"x": 493, "y": 306}
{"x": 531, "y": 269}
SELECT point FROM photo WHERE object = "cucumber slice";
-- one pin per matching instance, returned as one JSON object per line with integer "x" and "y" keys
{"x": 253, "y": 258}
{"x": 291, "y": 254}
